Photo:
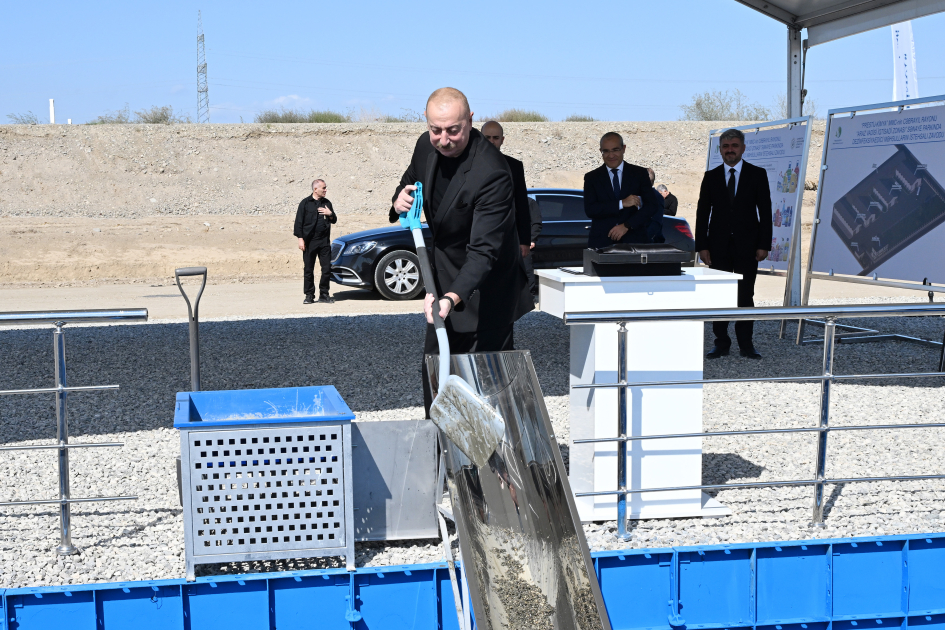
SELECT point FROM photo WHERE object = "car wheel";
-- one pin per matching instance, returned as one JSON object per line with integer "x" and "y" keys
{"x": 397, "y": 276}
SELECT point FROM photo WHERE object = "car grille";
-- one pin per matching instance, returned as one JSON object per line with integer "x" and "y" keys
{"x": 336, "y": 248}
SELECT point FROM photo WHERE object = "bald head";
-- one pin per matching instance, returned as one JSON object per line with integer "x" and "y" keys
{"x": 448, "y": 97}
{"x": 449, "y": 121}
{"x": 494, "y": 133}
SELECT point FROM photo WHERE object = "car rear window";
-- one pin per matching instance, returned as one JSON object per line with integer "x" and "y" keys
{"x": 561, "y": 208}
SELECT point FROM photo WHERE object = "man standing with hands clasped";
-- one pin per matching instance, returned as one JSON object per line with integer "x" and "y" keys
{"x": 733, "y": 231}
{"x": 618, "y": 198}
{"x": 313, "y": 222}
{"x": 468, "y": 204}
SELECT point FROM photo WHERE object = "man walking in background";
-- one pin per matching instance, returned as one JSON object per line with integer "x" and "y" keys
{"x": 733, "y": 231}
{"x": 534, "y": 211}
{"x": 468, "y": 204}
{"x": 494, "y": 133}
{"x": 618, "y": 198}
{"x": 670, "y": 203}
{"x": 313, "y": 222}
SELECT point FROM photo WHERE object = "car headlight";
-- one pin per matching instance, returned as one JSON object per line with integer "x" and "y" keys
{"x": 360, "y": 248}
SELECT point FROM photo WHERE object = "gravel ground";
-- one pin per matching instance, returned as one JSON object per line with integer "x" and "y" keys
{"x": 144, "y": 539}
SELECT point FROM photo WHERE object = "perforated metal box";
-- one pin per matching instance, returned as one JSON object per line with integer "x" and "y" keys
{"x": 265, "y": 474}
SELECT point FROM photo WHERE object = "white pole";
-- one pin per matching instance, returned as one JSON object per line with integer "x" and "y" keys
{"x": 52, "y": 112}
{"x": 905, "y": 79}
{"x": 68, "y": 121}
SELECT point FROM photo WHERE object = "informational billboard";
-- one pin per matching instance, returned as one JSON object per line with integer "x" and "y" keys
{"x": 882, "y": 204}
{"x": 780, "y": 149}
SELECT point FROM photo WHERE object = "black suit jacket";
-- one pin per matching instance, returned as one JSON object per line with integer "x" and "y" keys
{"x": 520, "y": 194}
{"x": 535, "y": 211}
{"x": 601, "y": 207}
{"x": 670, "y": 205}
{"x": 475, "y": 240}
{"x": 309, "y": 224}
{"x": 740, "y": 228}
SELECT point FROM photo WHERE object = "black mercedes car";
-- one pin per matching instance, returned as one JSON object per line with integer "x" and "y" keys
{"x": 384, "y": 259}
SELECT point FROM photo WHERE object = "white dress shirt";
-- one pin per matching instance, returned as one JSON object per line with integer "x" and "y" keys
{"x": 728, "y": 172}
{"x": 610, "y": 178}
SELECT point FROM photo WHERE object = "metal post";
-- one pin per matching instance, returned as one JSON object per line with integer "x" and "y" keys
{"x": 830, "y": 328}
{"x": 622, "y": 432}
{"x": 65, "y": 547}
{"x": 794, "y": 68}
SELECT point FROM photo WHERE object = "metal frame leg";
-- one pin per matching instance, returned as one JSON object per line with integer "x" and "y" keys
{"x": 830, "y": 328}
{"x": 622, "y": 432}
{"x": 65, "y": 547}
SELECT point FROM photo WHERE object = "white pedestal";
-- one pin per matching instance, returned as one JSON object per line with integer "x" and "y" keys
{"x": 656, "y": 352}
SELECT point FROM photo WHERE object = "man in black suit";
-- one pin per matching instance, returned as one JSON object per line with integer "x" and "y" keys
{"x": 534, "y": 211}
{"x": 670, "y": 203}
{"x": 313, "y": 222}
{"x": 733, "y": 231}
{"x": 493, "y": 132}
{"x": 469, "y": 204}
{"x": 618, "y": 198}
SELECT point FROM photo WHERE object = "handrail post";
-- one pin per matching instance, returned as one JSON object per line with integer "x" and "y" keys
{"x": 65, "y": 547}
{"x": 622, "y": 432}
{"x": 830, "y": 329}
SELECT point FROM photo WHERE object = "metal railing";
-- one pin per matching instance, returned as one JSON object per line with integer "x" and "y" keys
{"x": 830, "y": 314}
{"x": 61, "y": 390}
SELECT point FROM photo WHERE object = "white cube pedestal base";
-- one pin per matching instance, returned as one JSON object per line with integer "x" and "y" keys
{"x": 656, "y": 351}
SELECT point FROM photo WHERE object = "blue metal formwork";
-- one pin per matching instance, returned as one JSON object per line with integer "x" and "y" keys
{"x": 840, "y": 584}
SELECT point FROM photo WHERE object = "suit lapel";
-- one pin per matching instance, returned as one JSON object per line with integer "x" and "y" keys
{"x": 456, "y": 184}
{"x": 625, "y": 183}
{"x": 428, "y": 179}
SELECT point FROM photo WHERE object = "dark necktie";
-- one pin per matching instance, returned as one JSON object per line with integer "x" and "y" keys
{"x": 616, "y": 183}
{"x": 731, "y": 185}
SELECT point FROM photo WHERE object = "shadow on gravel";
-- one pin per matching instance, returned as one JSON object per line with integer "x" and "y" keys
{"x": 373, "y": 361}
{"x": 724, "y": 467}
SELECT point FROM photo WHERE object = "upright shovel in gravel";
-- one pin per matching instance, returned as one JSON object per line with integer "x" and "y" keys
{"x": 465, "y": 417}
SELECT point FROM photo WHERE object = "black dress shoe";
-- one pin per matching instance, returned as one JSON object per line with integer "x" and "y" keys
{"x": 309, "y": 299}
{"x": 717, "y": 352}
{"x": 750, "y": 353}
{"x": 326, "y": 299}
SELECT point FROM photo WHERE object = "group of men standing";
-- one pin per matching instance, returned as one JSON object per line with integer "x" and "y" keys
{"x": 484, "y": 225}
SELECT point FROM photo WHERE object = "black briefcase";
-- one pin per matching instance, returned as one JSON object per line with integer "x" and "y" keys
{"x": 635, "y": 259}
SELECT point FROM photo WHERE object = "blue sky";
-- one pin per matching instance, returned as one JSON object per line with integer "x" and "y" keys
{"x": 628, "y": 60}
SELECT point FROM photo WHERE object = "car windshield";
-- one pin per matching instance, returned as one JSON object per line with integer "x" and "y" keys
{"x": 561, "y": 208}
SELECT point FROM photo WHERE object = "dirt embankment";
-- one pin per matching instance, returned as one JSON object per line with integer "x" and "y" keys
{"x": 131, "y": 202}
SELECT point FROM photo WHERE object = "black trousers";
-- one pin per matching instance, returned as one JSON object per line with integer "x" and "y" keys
{"x": 727, "y": 260}
{"x": 496, "y": 340}
{"x": 319, "y": 250}
{"x": 530, "y": 272}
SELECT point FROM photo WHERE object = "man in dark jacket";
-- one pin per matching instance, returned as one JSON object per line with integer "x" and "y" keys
{"x": 670, "y": 203}
{"x": 468, "y": 204}
{"x": 534, "y": 212}
{"x": 494, "y": 133}
{"x": 733, "y": 231}
{"x": 618, "y": 198}
{"x": 313, "y": 222}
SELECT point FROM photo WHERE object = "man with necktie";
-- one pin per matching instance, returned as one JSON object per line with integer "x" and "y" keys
{"x": 618, "y": 198}
{"x": 733, "y": 231}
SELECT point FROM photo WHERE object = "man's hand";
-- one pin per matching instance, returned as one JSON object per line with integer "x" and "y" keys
{"x": 404, "y": 199}
{"x": 632, "y": 200}
{"x": 324, "y": 211}
{"x": 761, "y": 254}
{"x": 617, "y": 232}
{"x": 302, "y": 244}
{"x": 444, "y": 306}
{"x": 532, "y": 246}
{"x": 704, "y": 255}
{"x": 525, "y": 250}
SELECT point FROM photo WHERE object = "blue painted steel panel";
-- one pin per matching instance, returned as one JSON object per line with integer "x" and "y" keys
{"x": 140, "y": 608}
{"x": 636, "y": 588}
{"x": 867, "y": 579}
{"x": 220, "y": 605}
{"x": 715, "y": 587}
{"x": 310, "y": 601}
{"x": 927, "y": 576}
{"x": 846, "y": 584}
{"x": 284, "y": 405}
{"x": 792, "y": 581}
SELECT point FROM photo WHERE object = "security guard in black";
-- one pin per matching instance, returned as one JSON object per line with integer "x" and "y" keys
{"x": 313, "y": 229}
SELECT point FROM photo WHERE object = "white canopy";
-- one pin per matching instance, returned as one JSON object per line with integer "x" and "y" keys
{"x": 827, "y": 20}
